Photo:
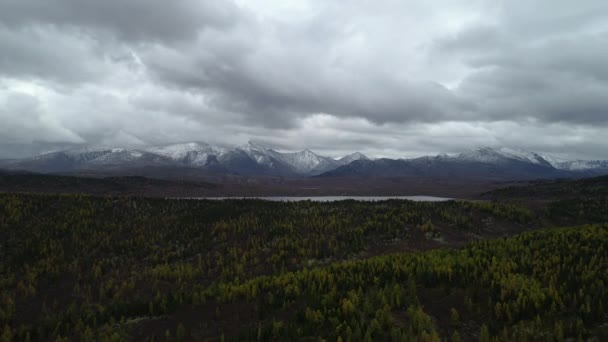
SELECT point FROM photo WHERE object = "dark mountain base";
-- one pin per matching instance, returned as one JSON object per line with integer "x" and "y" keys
{"x": 553, "y": 189}
{"x": 130, "y": 185}
{"x": 204, "y": 185}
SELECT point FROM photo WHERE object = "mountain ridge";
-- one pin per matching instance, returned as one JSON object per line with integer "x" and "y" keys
{"x": 255, "y": 159}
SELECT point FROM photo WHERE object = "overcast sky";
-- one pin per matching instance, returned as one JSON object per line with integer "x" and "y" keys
{"x": 388, "y": 78}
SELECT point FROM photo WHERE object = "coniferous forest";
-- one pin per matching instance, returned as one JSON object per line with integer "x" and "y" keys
{"x": 86, "y": 268}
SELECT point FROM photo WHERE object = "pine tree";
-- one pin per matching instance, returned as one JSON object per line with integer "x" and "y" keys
{"x": 484, "y": 334}
{"x": 181, "y": 331}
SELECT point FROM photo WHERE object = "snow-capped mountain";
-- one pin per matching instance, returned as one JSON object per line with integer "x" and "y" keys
{"x": 250, "y": 159}
{"x": 307, "y": 162}
{"x": 259, "y": 153}
{"x": 352, "y": 157}
{"x": 254, "y": 159}
{"x": 498, "y": 155}
{"x": 303, "y": 162}
{"x": 193, "y": 153}
{"x": 481, "y": 163}
{"x": 502, "y": 155}
{"x": 575, "y": 165}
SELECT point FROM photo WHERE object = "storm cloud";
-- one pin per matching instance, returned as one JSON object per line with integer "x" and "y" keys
{"x": 388, "y": 78}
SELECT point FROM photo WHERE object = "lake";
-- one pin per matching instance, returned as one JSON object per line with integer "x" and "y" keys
{"x": 333, "y": 198}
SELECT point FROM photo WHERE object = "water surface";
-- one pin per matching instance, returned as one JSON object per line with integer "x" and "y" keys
{"x": 333, "y": 198}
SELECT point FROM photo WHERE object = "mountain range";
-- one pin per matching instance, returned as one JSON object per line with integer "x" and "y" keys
{"x": 481, "y": 163}
{"x": 255, "y": 159}
{"x": 249, "y": 160}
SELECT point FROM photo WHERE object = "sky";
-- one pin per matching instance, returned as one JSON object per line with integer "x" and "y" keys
{"x": 389, "y": 78}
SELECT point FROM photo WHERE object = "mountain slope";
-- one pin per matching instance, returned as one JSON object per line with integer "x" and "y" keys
{"x": 193, "y": 154}
{"x": 503, "y": 155}
{"x": 303, "y": 163}
{"x": 306, "y": 161}
{"x": 352, "y": 157}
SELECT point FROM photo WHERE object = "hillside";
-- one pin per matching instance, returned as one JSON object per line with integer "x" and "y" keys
{"x": 87, "y": 268}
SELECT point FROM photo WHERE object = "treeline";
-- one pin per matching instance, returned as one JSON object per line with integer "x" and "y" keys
{"x": 23, "y": 182}
{"x": 554, "y": 189}
{"x": 89, "y": 268}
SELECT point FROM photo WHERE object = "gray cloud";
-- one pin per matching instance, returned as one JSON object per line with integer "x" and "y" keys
{"x": 532, "y": 63}
{"x": 49, "y": 54}
{"x": 24, "y": 122}
{"x": 393, "y": 78}
{"x": 292, "y": 70}
{"x": 137, "y": 20}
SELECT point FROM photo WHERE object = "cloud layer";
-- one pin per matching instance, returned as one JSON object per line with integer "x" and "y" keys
{"x": 389, "y": 78}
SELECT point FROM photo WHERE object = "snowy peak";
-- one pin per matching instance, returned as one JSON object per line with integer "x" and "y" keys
{"x": 177, "y": 151}
{"x": 352, "y": 157}
{"x": 556, "y": 162}
{"x": 254, "y": 146}
{"x": 482, "y": 154}
{"x": 306, "y": 161}
{"x": 117, "y": 157}
{"x": 502, "y": 155}
{"x": 524, "y": 156}
{"x": 192, "y": 153}
{"x": 260, "y": 154}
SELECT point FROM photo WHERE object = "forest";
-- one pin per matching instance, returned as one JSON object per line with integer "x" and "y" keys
{"x": 86, "y": 268}
{"x": 553, "y": 189}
